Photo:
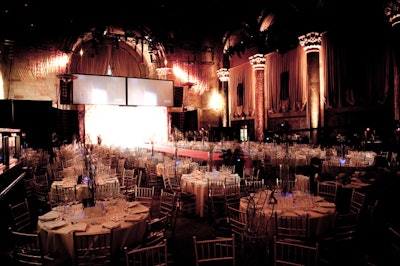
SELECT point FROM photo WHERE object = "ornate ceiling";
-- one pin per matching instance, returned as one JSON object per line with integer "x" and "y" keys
{"x": 271, "y": 25}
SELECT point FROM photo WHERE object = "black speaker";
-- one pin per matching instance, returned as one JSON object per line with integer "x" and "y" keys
{"x": 17, "y": 147}
{"x": 178, "y": 96}
{"x": 65, "y": 92}
{"x": 6, "y": 151}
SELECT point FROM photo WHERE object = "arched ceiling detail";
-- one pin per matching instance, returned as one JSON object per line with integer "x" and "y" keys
{"x": 146, "y": 52}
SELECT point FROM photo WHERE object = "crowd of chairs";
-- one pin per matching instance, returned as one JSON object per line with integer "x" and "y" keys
{"x": 222, "y": 201}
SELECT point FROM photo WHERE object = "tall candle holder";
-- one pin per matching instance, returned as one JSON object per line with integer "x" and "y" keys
{"x": 211, "y": 157}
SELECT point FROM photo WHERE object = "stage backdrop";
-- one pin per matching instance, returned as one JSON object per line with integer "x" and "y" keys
{"x": 124, "y": 126}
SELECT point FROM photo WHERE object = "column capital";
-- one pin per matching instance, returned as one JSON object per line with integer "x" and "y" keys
{"x": 392, "y": 12}
{"x": 163, "y": 72}
{"x": 223, "y": 74}
{"x": 257, "y": 61}
{"x": 311, "y": 41}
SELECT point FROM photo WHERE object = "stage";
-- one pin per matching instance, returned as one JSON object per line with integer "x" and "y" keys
{"x": 196, "y": 155}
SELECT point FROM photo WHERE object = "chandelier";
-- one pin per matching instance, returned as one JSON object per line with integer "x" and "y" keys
{"x": 193, "y": 81}
{"x": 189, "y": 81}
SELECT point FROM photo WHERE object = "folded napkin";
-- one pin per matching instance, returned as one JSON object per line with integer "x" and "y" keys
{"x": 139, "y": 209}
{"x": 111, "y": 224}
{"x": 278, "y": 212}
{"x": 51, "y": 215}
{"x": 136, "y": 217}
{"x": 79, "y": 227}
{"x": 300, "y": 212}
{"x": 321, "y": 210}
{"x": 133, "y": 204}
{"x": 318, "y": 198}
{"x": 111, "y": 179}
{"x": 54, "y": 224}
{"x": 326, "y": 204}
{"x": 290, "y": 214}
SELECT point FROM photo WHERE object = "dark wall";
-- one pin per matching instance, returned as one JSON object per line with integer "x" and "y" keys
{"x": 34, "y": 118}
{"x": 347, "y": 121}
{"x": 191, "y": 120}
{"x": 5, "y": 114}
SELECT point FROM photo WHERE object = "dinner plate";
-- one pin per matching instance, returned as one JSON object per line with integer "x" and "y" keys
{"x": 111, "y": 224}
{"x": 326, "y": 204}
{"x": 133, "y": 204}
{"x": 54, "y": 224}
{"x": 300, "y": 212}
{"x": 318, "y": 198}
{"x": 133, "y": 218}
{"x": 49, "y": 216}
{"x": 138, "y": 209}
{"x": 79, "y": 227}
{"x": 321, "y": 210}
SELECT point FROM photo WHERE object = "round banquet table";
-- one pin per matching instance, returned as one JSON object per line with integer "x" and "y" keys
{"x": 261, "y": 213}
{"x": 197, "y": 182}
{"x": 127, "y": 218}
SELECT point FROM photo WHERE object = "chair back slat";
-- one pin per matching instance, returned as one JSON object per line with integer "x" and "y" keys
{"x": 295, "y": 254}
{"x": 93, "y": 249}
{"x": 147, "y": 256}
{"x": 221, "y": 249}
{"x": 21, "y": 217}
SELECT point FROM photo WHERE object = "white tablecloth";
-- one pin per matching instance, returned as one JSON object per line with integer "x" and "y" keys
{"x": 197, "y": 181}
{"x": 57, "y": 237}
{"x": 321, "y": 213}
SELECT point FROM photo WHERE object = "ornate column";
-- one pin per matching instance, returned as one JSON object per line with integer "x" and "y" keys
{"x": 81, "y": 123}
{"x": 258, "y": 63}
{"x": 311, "y": 43}
{"x": 223, "y": 75}
{"x": 392, "y": 12}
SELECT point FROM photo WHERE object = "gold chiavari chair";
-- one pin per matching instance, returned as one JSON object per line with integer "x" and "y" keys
{"x": 27, "y": 249}
{"x": 145, "y": 195}
{"x": 220, "y": 249}
{"x": 287, "y": 253}
{"x": 237, "y": 220}
{"x": 292, "y": 228}
{"x": 147, "y": 256}
{"x": 357, "y": 201}
{"x": 327, "y": 190}
{"x": 21, "y": 216}
{"x": 93, "y": 249}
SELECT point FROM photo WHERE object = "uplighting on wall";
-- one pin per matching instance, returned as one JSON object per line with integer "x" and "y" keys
{"x": 216, "y": 101}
